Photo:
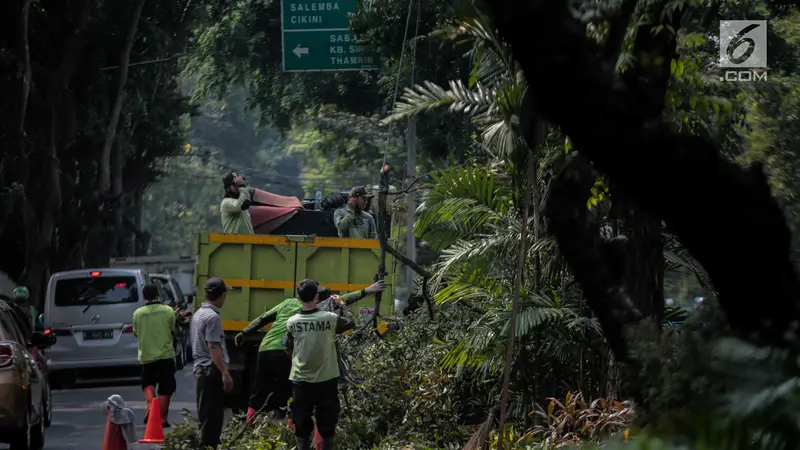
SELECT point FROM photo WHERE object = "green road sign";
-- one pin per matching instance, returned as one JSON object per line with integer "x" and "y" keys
{"x": 317, "y": 37}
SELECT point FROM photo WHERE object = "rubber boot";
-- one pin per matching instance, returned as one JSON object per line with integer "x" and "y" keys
{"x": 327, "y": 443}
{"x": 149, "y": 395}
{"x": 317, "y": 439}
{"x": 251, "y": 412}
{"x": 303, "y": 443}
{"x": 163, "y": 405}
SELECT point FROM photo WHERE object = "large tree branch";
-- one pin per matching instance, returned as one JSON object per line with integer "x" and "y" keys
{"x": 104, "y": 173}
{"x": 26, "y": 72}
{"x": 721, "y": 205}
{"x": 593, "y": 261}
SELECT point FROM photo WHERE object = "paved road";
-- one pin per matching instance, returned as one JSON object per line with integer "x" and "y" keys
{"x": 79, "y": 421}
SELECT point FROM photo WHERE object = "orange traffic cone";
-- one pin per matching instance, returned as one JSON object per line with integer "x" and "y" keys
{"x": 154, "y": 433}
{"x": 113, "y": 439}
{"x": 317, "y": 439}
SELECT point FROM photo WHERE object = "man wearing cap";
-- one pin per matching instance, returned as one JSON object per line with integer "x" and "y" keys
{"x": 154, "y": 326}
{"x": 234, "y": 207}
{"x": 352, "y": 221}
{"x": 212, "y": 378}
{"x": 311, "y": 340}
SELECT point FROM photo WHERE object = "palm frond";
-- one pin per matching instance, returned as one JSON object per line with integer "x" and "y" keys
{"x": 430, "y": 96}
{"x": 677, "y": 256}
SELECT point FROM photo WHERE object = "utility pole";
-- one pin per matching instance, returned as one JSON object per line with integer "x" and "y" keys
{"x": 411, "y": 163}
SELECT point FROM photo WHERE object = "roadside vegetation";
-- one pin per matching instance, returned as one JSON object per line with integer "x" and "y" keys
{"x": 557, "y": 211}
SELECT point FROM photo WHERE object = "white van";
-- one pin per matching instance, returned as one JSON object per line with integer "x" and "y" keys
{"x": 91, "y": 312}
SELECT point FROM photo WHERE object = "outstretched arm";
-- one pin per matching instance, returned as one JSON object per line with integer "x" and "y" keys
{"x": 262, "y": 320}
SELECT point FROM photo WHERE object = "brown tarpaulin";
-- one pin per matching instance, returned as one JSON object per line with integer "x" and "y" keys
{"x": 269, "y": 211}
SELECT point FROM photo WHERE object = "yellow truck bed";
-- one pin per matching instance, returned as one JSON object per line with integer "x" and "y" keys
{"x": 263, "y": 270}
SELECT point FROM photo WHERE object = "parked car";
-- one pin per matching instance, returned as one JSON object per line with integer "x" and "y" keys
{"x": 25, "y": 400}
{"x": 172, "y": 295}
{"x": 91, "y": 312}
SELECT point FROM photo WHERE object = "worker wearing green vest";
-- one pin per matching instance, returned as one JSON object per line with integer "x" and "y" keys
{"x": 311, "y": 340}
{"x": 271, "y": 388}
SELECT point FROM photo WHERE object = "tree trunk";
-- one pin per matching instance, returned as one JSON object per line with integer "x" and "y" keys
{"x": 512, "y": 329}
{"x": 26, "y": 71}
{"x": 643, "y": 258}
{"x": 20, "y": 169}
{"x": 38, "y": 244}
{"x": 140, "y": 243}
{"x": 104, "y": 175}
{"x": 39, "y": 228}
{"x": 117, "y": 230}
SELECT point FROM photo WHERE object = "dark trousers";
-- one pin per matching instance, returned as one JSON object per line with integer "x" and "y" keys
{"x": 272, "y": 377}
{"x": 320, "y": 400}
{"x": 160, "y": 373}
{"x": 210, "y": 405}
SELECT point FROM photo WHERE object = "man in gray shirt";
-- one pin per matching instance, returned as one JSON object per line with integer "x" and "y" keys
{"x": 212, "y": 379}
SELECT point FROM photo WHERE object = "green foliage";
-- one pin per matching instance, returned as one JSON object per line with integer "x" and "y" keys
{"x": 263, "y": 435}
{"x": 51, "y": 166}
{"x": 493, "y": 95}
{"x": 401, "y": 392}
{"x": 183, "y": 205}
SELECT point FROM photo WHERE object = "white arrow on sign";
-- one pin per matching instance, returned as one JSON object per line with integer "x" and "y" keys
{"x": 299, "y": 51}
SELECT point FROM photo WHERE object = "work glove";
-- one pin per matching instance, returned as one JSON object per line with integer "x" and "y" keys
{"x": 376, "y": 287}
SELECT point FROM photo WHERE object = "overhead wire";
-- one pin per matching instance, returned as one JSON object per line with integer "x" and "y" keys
{"x": 406, "y": 169}
{"x": 397, "y": 77}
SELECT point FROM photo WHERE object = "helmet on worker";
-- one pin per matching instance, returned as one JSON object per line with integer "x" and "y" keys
{"x": 20, "y": 294}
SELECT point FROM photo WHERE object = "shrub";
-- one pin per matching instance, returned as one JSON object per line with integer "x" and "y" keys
{"x": 574, "y": 421}
{"x": 401, "y": 392}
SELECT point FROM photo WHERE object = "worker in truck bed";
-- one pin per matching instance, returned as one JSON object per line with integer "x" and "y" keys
{"x": 271, "y": 384}
{"x": 311, "y": 340}
{"x": 234, "y": 207}
{"x": 352, "y": 220}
